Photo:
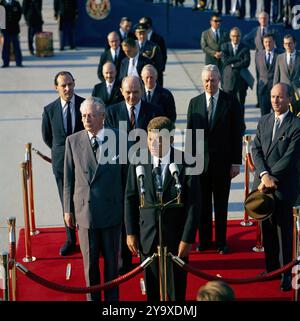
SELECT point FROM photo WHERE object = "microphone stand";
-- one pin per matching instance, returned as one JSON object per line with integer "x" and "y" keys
{"x": 161, "y": 249}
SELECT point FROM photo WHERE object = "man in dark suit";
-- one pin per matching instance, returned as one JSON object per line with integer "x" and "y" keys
{"x": 97, "y": 209}
{"x": 219, "y": 115}
{"x": 212, "y": 40}
{"x": 149, "y": 49}
{"x": 114, "y": 53}
{"x": 157, "y": 95}
{"x": 134, "y": 62}
{"x": 276, "y": 156}
{"x": 60, "y": 119}
{"x": 66, "y": 12}
{"x": 236, "y": 60}
{"x": 178, "y": 224}
{"x": 125, "y": 29}
{"x": 156, "y": 38}
{"x": 287, "y": 70}
{"x": 220, "y": 6}
{"x": 242, "y": 8}
{"x": 277, "y": 9}
{"x": 265, "y": 61}
{"x": 13, "y": 14}
{"x": 32, "y": 10}
{"x": 109, "y": 89}
{"x": 137, "y": 114}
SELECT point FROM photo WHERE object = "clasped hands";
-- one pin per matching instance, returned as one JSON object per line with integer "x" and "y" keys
{"x": 268, "y": 184}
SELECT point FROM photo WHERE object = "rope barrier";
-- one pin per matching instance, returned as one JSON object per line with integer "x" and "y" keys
{"x": 89, "y": 289}
{"x": 209, "y": 277}
{"x": 44, "y": 157}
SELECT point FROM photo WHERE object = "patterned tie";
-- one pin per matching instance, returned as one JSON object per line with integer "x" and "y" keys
{"x": 210, "y": 110}
{"x": 132, "y": 117}
{"x": 95, "y": 145}
{"x": 149, "y": 96}
{"x": 69, "y": 119}
{"x": 276, "y": 126}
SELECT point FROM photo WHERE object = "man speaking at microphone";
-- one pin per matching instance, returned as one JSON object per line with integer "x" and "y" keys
{"x": 179, "y": 224}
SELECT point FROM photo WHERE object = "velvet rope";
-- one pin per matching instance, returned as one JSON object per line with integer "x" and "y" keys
{"x": 71, "y": 289}
{"x": 250, "y": 162}
{"x": 46, "y": 158}
{"x": 257, "y": 278}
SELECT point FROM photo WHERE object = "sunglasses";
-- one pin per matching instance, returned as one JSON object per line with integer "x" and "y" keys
{"x": 217, "y": 20}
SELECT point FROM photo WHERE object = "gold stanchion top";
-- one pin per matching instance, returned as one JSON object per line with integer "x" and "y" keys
{"x": 296, "y": 211}
{"x": 247, "y": 138}
{"x": 28, "y": 145}
{"x": 23, "y": 165}
{"x": 11, "y": 220}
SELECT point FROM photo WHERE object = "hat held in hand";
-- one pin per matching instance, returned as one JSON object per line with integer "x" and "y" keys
{"x": 259, "y": 205}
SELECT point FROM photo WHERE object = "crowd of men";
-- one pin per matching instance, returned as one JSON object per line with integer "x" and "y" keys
{"x": 101, "y": 195}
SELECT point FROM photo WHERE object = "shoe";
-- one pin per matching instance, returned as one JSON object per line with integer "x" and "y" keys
{"x": 286, "y": 283}
{"x": 203, "y": 246}
{"x": 32, "y": 53}
{"x": 223, "y": 249}
{"x": 5, "y": 66}
{"x": 20, "y": 65}
{"x": 67, "y": 249}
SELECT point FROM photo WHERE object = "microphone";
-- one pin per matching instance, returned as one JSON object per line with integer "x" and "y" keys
{"x": 157, "y": 179}
{"x": 173, "y": 168}
{"x": 140, "y": 174}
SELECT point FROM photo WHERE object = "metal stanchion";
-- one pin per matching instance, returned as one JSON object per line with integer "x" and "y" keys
{"x": 247, "y": 140}
{"x": 33, "y": 230}
{"x": 5, "y": 273}
{"x": 296, "y": 251}
{"x": 28, "y": 257}
{"x": 259, "y": 241}
{"x": 11, "y": 221}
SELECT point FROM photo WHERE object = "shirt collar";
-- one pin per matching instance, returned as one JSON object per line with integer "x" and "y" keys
{"x": 151, "y": 90}
{"x": 282, "y": 116}
{"x": 99, "y": 135}
{"x": 164, "y": 160}
{"x": 111, "y": 84}
{"x": 63, "y": 102}
{"x": 215, "y": 96}
{"x": 114, "y": 52}
{"x": 137, "y": 107}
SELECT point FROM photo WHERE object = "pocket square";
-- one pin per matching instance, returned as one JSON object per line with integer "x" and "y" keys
{"x": 115, "y": 158}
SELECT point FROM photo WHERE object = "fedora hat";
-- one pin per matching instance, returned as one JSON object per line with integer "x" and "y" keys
{"x": 259, "y": 205}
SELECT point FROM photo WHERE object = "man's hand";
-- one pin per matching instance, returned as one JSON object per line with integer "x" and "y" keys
{"x": 269, "y": 181}
{"x": 218, "y": 54}
{"x": 132, "y": 242}
{"x": 184, "y": 249}
{"x": 234, "y": 170}
{"x": 69, "y": 219}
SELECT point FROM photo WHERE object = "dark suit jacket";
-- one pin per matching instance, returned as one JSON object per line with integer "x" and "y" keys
{"x": 54, "y": 134}
{"x": 177, "y": 223}
{"x": 32, "y": 10}
{"x": 282, "y": 74}
{"x": 223, "y": 139}
{"x": 159, "y": 40}
{"x": 210, "y": 46}
{"x": 105, "y": 57}
{"x": 253, "y": 39}
{"x": 280, "y": 157}
{"x": 265, "y": 74}
{"x": 85, "y": 185}
{"x": 233, "y": 64}
{"x": 101, "y": 92}
{"x": 65, "y": 10}
{"x": 163, "y": 97}
{"x": 118, "y": 112}
{"x": 142, "y": 61}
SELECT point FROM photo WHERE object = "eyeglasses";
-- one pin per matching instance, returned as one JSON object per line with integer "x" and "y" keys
{"x": 217, "y": 20}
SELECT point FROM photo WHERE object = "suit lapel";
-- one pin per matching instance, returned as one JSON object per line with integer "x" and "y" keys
{"x": 58, "y": 115}
{"x": 149, "y": 179}
{"x": 218, "y": 112}
{"x": 77, "y": 114}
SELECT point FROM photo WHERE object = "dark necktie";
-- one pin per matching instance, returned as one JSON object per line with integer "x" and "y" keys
{"x": 290, "y": 65}
{"x": 263, "y": 31}
{"x": 69, "y": 119}
{"x": 95, "y": 145}
{"x": 132, "y": 117}
{"x": 217, "y": 36}
{"x": 115, "y": 58}
{"x": 210, "y": 110}
{"x": 148, "y": 96}
{"x": 276, "y": 127}
{"x": 268, "y": 59}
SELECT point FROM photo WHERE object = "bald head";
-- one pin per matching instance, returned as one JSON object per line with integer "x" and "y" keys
{"x": 281, "y": 98}
{"x": 113, "y": 40}
{"x": 132, "y": 89}
{"x": 109, "y": 72}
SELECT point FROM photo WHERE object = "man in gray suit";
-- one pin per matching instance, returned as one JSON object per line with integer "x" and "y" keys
{"x": 211, "y": 41}
{"x": 265, "y": 61}
{"x": 98, "y": 210}
{"x": 287, "y": 70}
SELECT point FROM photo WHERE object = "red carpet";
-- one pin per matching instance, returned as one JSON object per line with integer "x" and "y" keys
{"x": 241, "y": 262}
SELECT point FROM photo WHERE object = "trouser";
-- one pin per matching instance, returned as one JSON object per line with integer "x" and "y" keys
{"x": 8, "y": 38}
{"x": 32, "y": 30}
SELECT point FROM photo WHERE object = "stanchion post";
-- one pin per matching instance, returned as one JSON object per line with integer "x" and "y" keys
{"x": 259, "y": 241}
{"x": 247, "y": 140}
{"x": 4, "y": 260}
{"x": 296, "y": 250}
{"x": 33, "y": 230}
{"x": 11, "y": 221}
{"x": 28, "y": 257}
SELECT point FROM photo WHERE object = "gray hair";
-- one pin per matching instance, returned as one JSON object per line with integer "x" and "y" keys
{"x": 211, "y": 68}
{"x": 96, "y": 102}
{"x": 263, "y": 14}
{"x": 151, "y": 68}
